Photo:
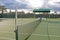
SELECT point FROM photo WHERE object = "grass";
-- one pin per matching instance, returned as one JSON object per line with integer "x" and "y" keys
{"x": 7, "y": 29}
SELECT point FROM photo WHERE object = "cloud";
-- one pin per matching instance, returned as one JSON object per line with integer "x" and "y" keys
{"x": 25, "y": 4}
{"x": 54, "y": 5}
{"x": 54, "y": 8}
{"x": 35, "y": 3}
{"x": 7, "y": 3}
{"x": 55, "y": 0}
{"x": 13, "y": 3}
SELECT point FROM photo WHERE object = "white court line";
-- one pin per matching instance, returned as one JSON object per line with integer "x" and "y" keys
{"x": 6, "y": 32}
{"x": 40, "y": 35}
{"x": 7, "y": 38}
{"x": 46, "y": 35}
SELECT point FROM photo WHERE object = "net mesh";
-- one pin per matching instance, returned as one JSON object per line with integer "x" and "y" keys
{"x": 25, "y": 30}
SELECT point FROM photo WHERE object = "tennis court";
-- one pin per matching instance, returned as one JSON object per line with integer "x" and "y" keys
{"x": 47, "y": 30}
{"x": 7, "y": 29}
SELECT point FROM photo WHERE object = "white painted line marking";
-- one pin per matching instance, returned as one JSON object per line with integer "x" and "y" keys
{"x": 7, "y": 38}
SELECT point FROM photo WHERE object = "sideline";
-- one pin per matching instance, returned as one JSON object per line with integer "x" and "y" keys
{"x": 5, "y": 32}
{"x": 46, "y": 35}
{"x": 40, "y": 35}
{"x": 7, "y": 38}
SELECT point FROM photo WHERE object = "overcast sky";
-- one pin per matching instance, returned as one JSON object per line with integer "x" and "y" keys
{"x": 53, "y": 4}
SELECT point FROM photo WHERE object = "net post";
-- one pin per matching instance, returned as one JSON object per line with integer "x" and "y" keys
{"x": 16, "y": 25}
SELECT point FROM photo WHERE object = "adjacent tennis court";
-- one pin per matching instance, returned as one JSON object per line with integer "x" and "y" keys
{"x": 48, "y": 29}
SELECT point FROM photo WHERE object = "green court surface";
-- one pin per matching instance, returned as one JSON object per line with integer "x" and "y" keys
{"x": 41, "y": 33}
{"x": 51, "y": 26}
{"x": 7, "y": 29}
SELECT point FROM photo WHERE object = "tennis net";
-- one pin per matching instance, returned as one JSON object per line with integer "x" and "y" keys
{"x": 25, "y": 30}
